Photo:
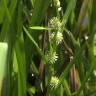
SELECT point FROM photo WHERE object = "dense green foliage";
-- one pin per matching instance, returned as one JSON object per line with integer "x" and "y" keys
{"x": 51, "y": 47}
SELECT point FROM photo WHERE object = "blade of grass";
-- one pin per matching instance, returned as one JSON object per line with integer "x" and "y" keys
{"x": 39, "y": 28}
{"x": 66, "y": 87}
{"x": 70, "y": 8}
{"x": 7, "y": 10}
{"x": 3, "y": 64}
{"x": 20, "y": 54}
{"x": 81, "y": 17}
{"x": 2, "y": 11}
{"x": 33, "y": 41}
{"x": 6, "y": 23}
{"x": 40, "y": 8}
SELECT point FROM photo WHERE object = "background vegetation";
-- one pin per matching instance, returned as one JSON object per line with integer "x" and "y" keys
{"x": 47, "y": 48}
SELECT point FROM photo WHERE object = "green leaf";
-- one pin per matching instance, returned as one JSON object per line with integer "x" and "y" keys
{"x": 7, "y": 10}
{"x": 70, "y": 8}
{"x": 20, "y": 55}
{"x": 39, "y": 28}
{"x": 36, "y": 45}
{"x": 2, "y": 11}
{"x": 3, "y": 62}
{"x": 67, "y": 88}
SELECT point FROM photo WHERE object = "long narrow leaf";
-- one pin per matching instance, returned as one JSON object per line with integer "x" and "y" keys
{"x": 3, "y": 63}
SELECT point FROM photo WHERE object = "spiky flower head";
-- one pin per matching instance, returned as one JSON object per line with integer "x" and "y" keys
{"x": 55, "y": 23}
{"x": 54, "y": 81}
{"x": 58, "y": 38}
{"x": 51, "y": 57}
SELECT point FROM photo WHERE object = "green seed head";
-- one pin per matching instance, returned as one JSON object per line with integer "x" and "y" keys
{"x": 54, "y": 81}
{"x": 51, "y": 57}
{"x": 55, "y": 23}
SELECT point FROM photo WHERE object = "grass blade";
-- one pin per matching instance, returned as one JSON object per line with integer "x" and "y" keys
{"x": 3, "y": 63}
